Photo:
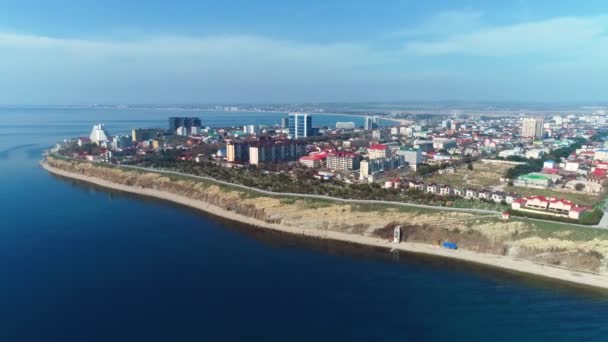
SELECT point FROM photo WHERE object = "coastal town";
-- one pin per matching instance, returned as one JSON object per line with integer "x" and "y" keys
{"x": 552, "y": 167}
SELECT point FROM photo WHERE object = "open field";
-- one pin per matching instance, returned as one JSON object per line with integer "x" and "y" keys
{"x": 483, "y": 176}
{"x": 578, "y": 198}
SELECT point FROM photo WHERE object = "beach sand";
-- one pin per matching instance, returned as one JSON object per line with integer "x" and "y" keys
{"x": 503, "y": 262}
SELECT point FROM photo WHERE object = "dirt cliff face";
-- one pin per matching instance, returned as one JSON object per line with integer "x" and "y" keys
{"x": 559, "y": 245}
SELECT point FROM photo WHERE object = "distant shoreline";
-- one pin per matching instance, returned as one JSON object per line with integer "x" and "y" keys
{"x": 497, "y": 261}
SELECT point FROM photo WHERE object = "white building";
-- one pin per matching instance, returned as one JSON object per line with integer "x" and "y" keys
{"x": 572, "y": 166}
{"x": 345, "y": 125}
{"x": 601, "y": 155}
{"x": 532, "y": 127}
{"x": 443, "y": 143}
{"x": 374, "y": 166}
{"x": 99, "y": 134}
{"x": 377, "y": 151}
{"x": 182, "y": 131}
{"x": 535, "y": 153}
{"x": 511, "y": 153}
{"x": 412, "y": 156}
{"x": 343, "y": 161}
{"x": 250, "y": 129}
{"x": 549, "y": 164}
{"x": 195, "y": 130}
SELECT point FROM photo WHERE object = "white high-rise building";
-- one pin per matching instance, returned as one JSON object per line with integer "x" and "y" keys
{"x": 532, "y": 127}
{"x": 368, "y": 123}
{"x": 412, "y": 156}
{"x": 182, "y": 131}
{"x": 300, "y": 125}
{"x": 99, "y": 134}
{"x": 250, "y": 129}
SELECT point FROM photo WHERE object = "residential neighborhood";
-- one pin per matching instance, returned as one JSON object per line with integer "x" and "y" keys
{"x": 525, "y": 164}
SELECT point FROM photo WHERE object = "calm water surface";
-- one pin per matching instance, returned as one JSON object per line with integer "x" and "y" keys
{"x": 79, "y": 263}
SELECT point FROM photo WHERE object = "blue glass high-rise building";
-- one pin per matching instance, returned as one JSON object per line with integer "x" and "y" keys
{"x": 300, "y": 125}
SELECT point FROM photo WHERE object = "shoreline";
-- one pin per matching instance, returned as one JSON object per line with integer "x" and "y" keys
{"x": 496, "y": 261}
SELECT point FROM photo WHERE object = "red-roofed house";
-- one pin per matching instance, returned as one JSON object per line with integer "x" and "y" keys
{"x": 377, "y": 151}
{"x": 312, "y": 161}
{"x": 560, "y": 206}
{"x": 537, "y": 202}
{"x": 518, "y": 203}
{"x": 601, "y": 165}
{"x": 576, "y": 212}
{"x": 551, "y": 171}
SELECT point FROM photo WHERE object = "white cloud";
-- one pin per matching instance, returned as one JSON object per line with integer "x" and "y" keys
{"x": 219, "y": 50}
{"x": 163, "y": 66}
{"x": 562, "y": 35}
{"x": 443, "y": 23}
{"x": 166, "y": 68}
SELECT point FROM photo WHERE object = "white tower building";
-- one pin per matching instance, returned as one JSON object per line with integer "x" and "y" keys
{"x": 99, "y": 134}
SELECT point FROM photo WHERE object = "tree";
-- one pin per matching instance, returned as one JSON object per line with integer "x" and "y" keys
{"x": 470, "y": 166}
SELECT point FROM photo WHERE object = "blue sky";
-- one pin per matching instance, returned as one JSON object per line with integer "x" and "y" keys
{"x": 80, "y": 52}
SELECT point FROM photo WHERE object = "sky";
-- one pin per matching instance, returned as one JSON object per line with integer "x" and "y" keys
{"x": 271, "y": 51}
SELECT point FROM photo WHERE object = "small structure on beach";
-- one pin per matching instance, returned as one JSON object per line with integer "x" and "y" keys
{"x": 449, "y": 245}
{"x": 397, "y": 234}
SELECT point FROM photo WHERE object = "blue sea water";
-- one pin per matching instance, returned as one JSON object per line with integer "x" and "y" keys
{"x": 80, "y": 263}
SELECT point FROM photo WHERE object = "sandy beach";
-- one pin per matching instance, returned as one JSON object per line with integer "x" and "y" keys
{"x": 503, "y": 262}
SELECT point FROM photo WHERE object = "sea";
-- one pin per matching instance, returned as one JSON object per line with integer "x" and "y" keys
{"x": 82, "y": 263}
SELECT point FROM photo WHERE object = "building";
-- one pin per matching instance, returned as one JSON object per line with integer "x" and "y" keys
{"x": 83, "y": 141}
{"x": 549, "y": 164}
{"x": 300, "y": 125}
{"x": 98, "y": 134}
{"x": 516, "y": 152}
{"x": 343, "y": 161}
{"x": 572, "y": 165}
{"x": 370, "y": 167}
{"x": 443, "y": 143}
{"x": 182, "y": 131}
{"x": 345, "y": 125}
{"x": 121, "y": 141}
{"x": 369, "y": 123}
{"x": 250, "y": 129}
{"x": 377, "y": 151}
{"x": 549, "y": 206}
{"x": 237, "y": 151}
{"x": 412, "y": 156}
{"x": 535, "y": 153}
{"x": 143, "y": 134}
{"x": 188, "y": 122}
{"x": 270, "y": 150}
{"x": 601, "y": 154}
{"x": 314, "y": 160}
{"x": 196, "y": 130}
{"x": 423, "y": 145}
{"x": 284, "y": 123}
{"x": 532, "y": 127}
{"x": 533, "y": 180}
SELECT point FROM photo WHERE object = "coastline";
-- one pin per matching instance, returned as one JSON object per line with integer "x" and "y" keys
{"x": 497, "y": 261}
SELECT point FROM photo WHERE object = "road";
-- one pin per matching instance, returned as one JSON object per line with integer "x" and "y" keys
{"x": 320, "y": 197}
{"x": 602, "y": 225}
